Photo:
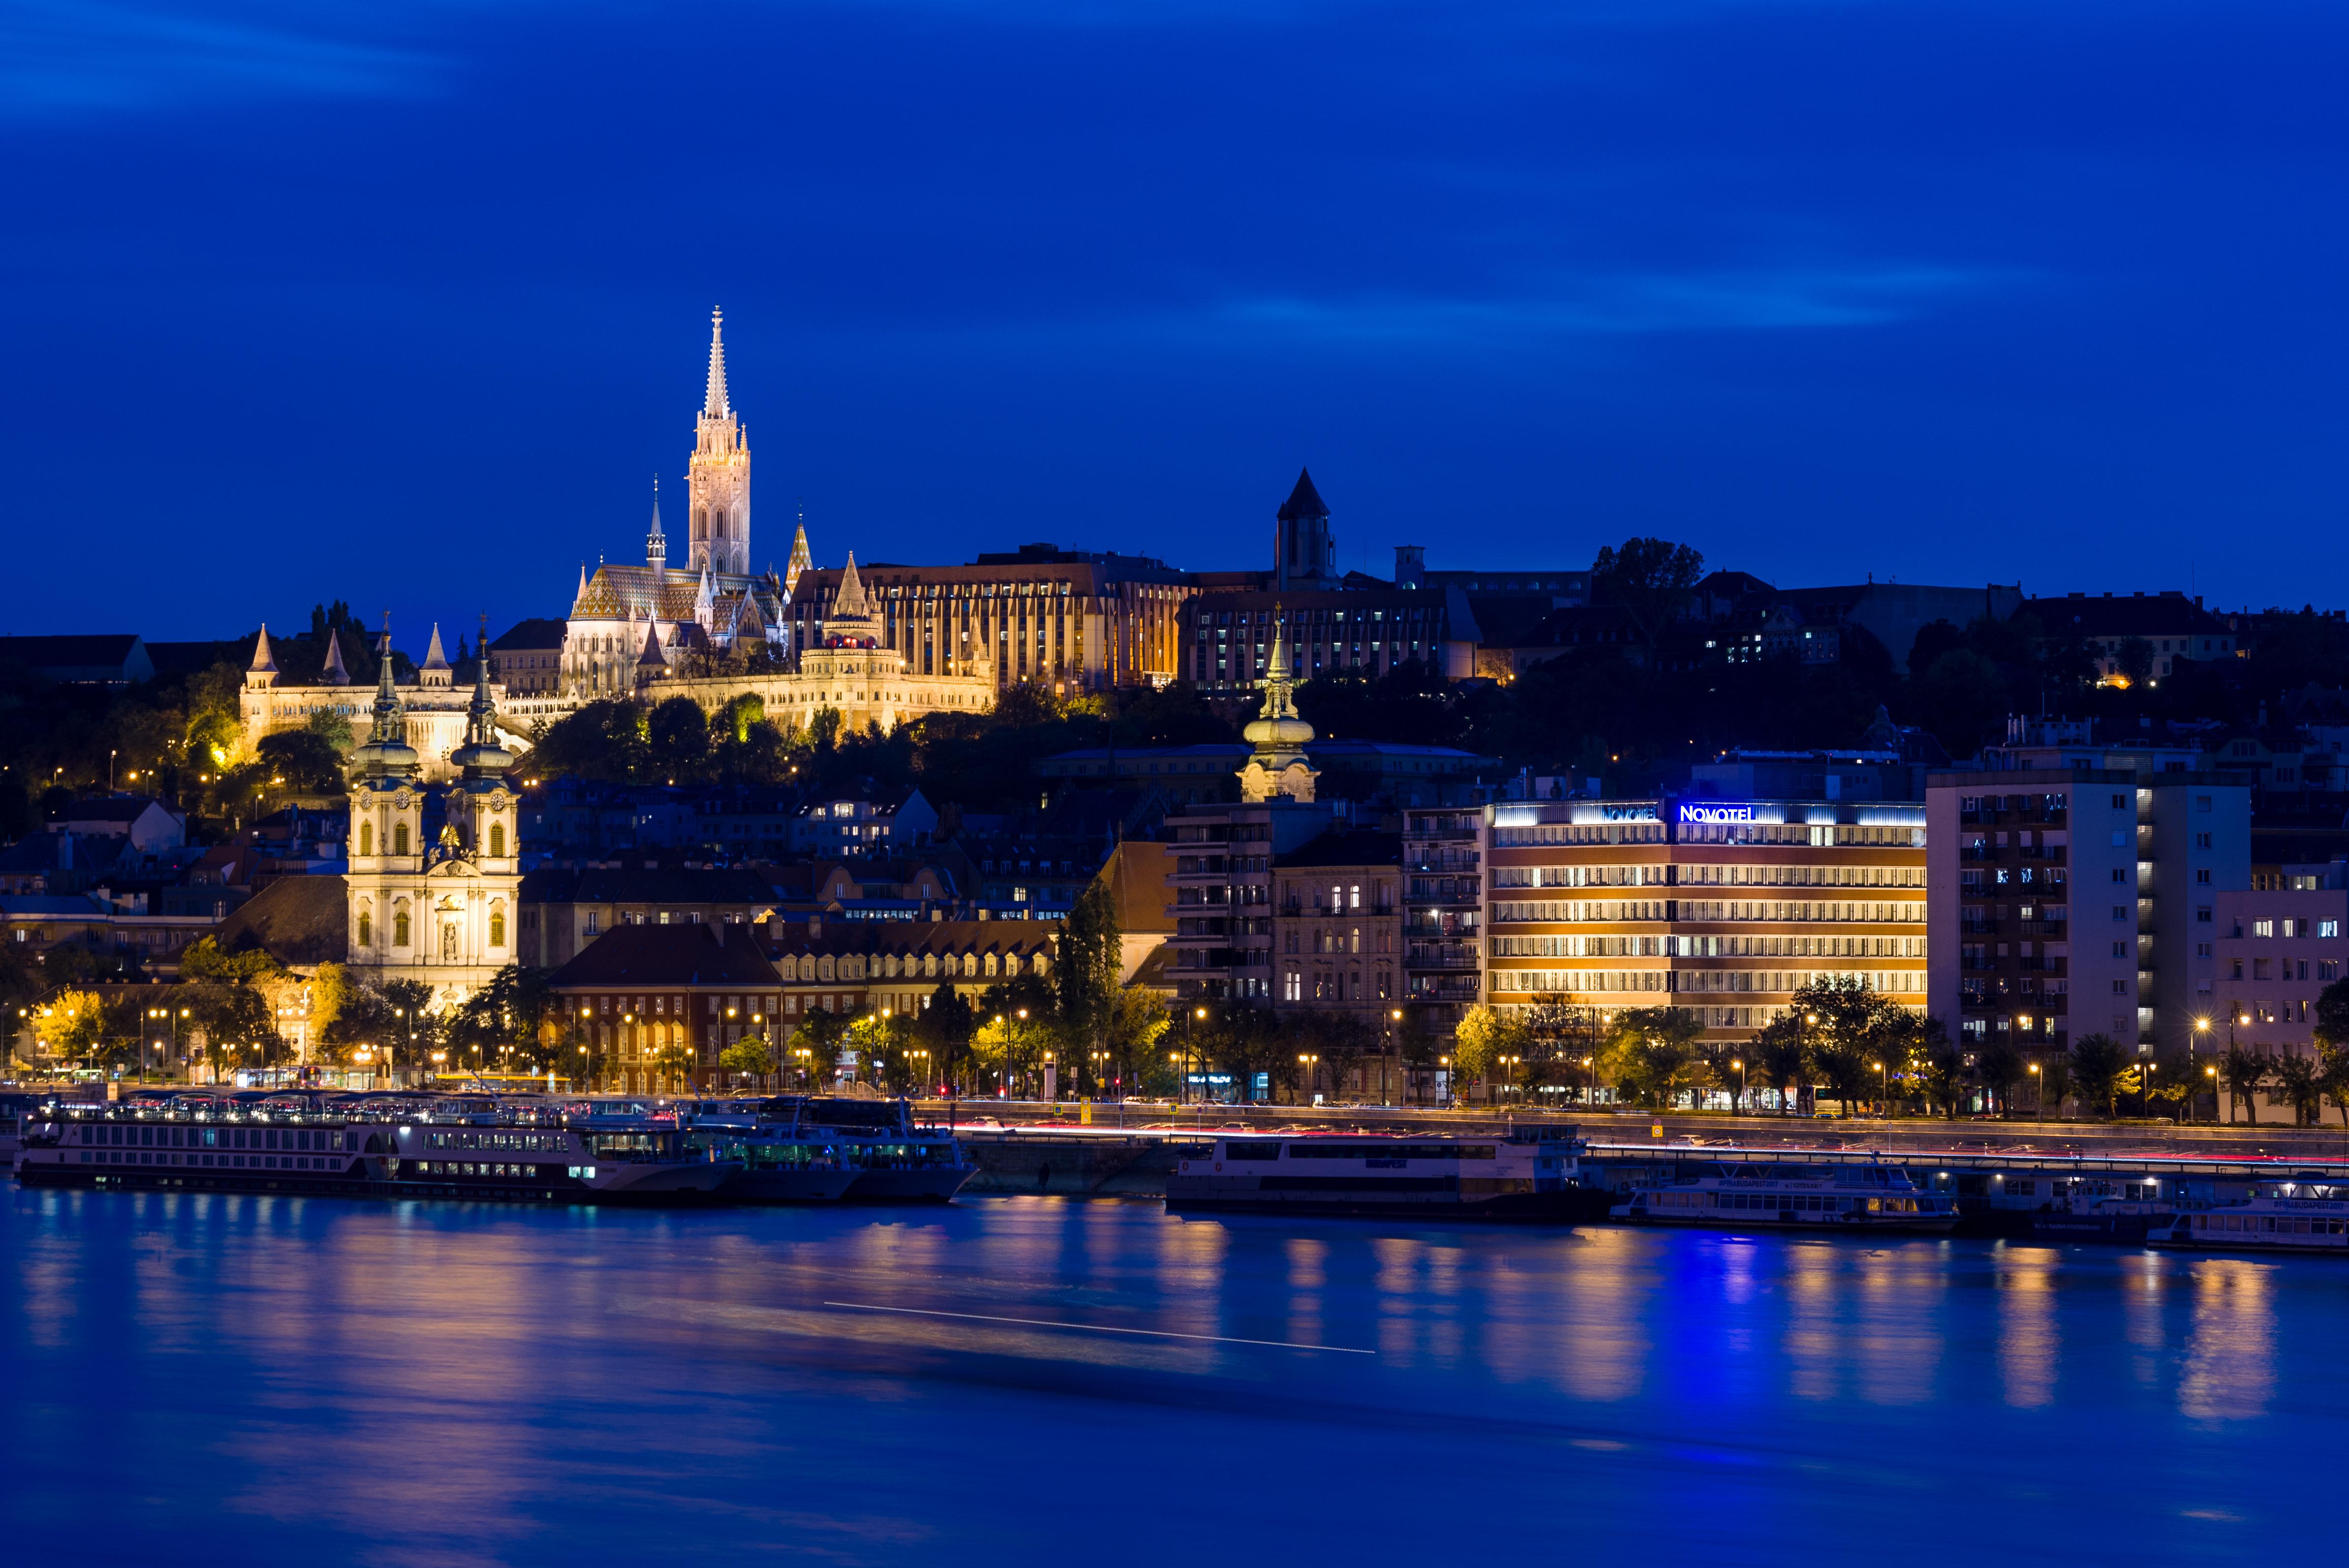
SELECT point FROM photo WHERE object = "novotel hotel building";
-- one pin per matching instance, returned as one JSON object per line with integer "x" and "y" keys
{"x": 1722, "y": 907}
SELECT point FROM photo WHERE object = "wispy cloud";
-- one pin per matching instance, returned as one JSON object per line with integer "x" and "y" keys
{"x": 1649, "y": 302}
{"x": 73, "y": 57}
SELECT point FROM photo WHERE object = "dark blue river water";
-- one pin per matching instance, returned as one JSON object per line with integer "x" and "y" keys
{"x": 282, "y": 1380}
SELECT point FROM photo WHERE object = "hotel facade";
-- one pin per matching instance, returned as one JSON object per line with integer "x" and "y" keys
{"x": 1723, "y": 908}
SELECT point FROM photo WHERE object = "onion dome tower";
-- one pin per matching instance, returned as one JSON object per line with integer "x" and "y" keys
{"x": 1278, "y": 769}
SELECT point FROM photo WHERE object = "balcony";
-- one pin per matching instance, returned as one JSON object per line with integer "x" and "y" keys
{"x": 1435, "y": 958}
{"x": 1436, "y": 895}
{"x": 1447, "y": 989}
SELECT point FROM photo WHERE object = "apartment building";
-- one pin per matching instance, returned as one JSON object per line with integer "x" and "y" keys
{"x": 1337, "y": 924}
{"x": 2277, "y": 950}
{"x": 1725, "y": 908}
{"x": 2086, "y": 904}
{"x": 1221, "y": 880}
{"x": 1442, "y": 918}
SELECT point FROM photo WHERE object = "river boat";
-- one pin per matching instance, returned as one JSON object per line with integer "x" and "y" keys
{"x": 779, "y": 1164}
{"x": 1727, "y": 1195}
{"x": 895, "y": 1160}
{"x": 2307, "y": 1211}
{"x": 18, "y": 1111}
{"x": 370, "y": 1147}
{"x": 1530, "y": 1178}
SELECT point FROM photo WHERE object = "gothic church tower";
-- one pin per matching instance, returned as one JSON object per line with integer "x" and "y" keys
{"x": 717, "y": 475}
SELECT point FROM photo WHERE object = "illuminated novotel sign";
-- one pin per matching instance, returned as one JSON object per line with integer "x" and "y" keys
{"x": 1628, "y": 813}
{"x": 1705, "y": 811}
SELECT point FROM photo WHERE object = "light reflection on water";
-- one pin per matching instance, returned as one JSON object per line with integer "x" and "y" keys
{"x": 392, "y": 1384}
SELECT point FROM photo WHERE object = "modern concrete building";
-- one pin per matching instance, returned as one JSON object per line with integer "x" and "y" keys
{"x": 1724, "y": 908}
{"x": 1444, "y": 912}
{"x": 2084, "y": 905}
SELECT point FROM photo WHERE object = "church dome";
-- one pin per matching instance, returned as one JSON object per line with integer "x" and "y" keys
{"x": 1285, "y": 733}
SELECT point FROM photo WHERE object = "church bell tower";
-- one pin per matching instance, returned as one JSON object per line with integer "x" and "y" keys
{"x": 717, "y": 475}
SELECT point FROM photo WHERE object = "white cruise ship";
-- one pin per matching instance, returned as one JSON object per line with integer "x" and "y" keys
{"x": 1388, "y": 1175}
{"x": 357, "y": 1146}
{"x": 1730, "y": 1196}
{"x": 2307, "y": 1211}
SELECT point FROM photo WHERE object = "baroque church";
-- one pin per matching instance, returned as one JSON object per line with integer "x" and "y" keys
{"x": 441, "y": 912}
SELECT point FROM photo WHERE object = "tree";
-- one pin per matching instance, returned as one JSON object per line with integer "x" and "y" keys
{"x": 1650, "y": 1052}
{"x": 944, "y": 1029}
{"x": 301, "y": 760}
{"x": 671, "y": 1061}
{"x": 1085, "y": 971}
{"x": 2242, "y": 1072}
{"x": 2096, "y": 1066}
{"x": 240, "y": 1029}
{"x": 1650, "y": 578}
{"x": 73, "y": 1025}
{"x": 333, "y": 730}
{"x": 2332, "y": 1074}
{"x": 814, "y": 1046}
{"x": 1136, "y": 1025}
{"x": 503, "y": 1018}
{"x": 1484, "y": 1034}
{"x": 2297, "y": 1077}
{"x": 1782, "y": 1051}
{"x": 678, "y": 734}
{"x": 203, "y": 961}
{"x": 1010, "y": 1047}
{"x": 753, "y": 1056}
{"x": 2333, "y": 1015}
{"x": 1998, "y": 1065}
{"x": 1937, "y": 1065}
{"x": 1857, "y": 1028}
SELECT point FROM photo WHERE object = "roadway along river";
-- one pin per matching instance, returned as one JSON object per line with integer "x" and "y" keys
{"x": 272, "y": 1380}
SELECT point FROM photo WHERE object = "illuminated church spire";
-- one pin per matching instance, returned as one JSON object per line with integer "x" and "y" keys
{"x": 717, "y": 475}
{"x": 713, "y": 401}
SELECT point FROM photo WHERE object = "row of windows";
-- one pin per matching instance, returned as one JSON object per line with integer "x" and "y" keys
{"x": 1689, "y": 981}
{"x": 125, "y": 1135}
{"x": 400, "y": 842}
{"x": 451, "y": 944}
{"x": 1708, "y": 947}
{"x": 1694, "y": 910}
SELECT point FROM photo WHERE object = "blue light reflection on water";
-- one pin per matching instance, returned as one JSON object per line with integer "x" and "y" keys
{"x": 268, "y": 1379}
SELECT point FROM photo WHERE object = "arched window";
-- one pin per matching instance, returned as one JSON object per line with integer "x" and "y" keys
{"x": 366, "y": 928}
{"x": 400, "y": 839}
{"x": 400, "y": 927}
{"x": 367, "y": 837}
{"x": 497, "y": 840}
{"x": 497, "y": 926}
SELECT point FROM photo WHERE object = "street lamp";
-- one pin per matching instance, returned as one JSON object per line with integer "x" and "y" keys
{"x": 2038, "y": 1091}
{"x": 1445, "y": 1063}
{"x": 2201, "y": 1026}
{"x": 1883, "y": 1086}
{"x": 1739, "y": 1063}
{"x": 1310, "y": 1061}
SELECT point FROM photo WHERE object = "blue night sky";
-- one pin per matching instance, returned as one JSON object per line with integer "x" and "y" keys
{"x": 407, "y": 304}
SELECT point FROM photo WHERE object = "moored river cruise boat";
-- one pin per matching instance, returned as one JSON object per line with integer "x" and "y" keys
{"x": 2304, "y": 1212}
{"x": 370, "y": 1147}
{"x": 1851, "y": 1198}
{"x": 1389, "y": 1176}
